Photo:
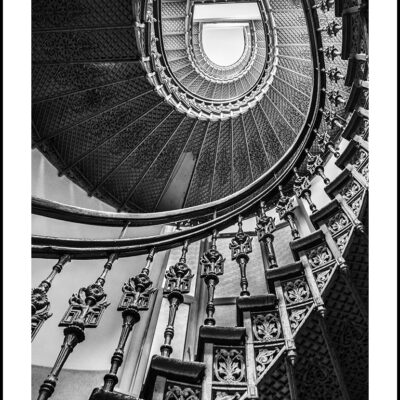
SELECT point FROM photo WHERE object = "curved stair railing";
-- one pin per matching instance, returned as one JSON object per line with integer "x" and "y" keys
{"x": 232, "y": 362}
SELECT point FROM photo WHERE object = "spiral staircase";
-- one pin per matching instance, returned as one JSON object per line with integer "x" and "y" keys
{"x": 127, "y": 105}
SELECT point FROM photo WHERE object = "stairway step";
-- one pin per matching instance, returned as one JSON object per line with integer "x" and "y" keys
{"x": 173, "y": 369}
{"x": 253, "y": 303}
{"x": 100, "y": 394}
{"x": 220, "y": 335}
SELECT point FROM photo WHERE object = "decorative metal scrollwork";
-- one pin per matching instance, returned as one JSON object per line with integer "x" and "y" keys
{"x": 358, "y": 158}
{"x": 356, "y": 206}
{"x": 240, "y": 247}
{"x": 178, "y": 280}
{"x": 266, "y": 327}
{"x": 175, "y": 392}
{"x": 40, "y": 308}
{"x": 296, "y": 317}
{"x": 229, "y": 365}
{"x": 136, "y": 293}
{"x": 302, "y": 188}
{"x": 338, "y": 222}
{"x": 264, "y": 358}
{"x": 178, "y": 277}
{"x": 284, "y": 205}
{"x": 285, "y": 209}
{"x": 265, "y": 226}
{"x": 89, "y": 302}
{"x": 341, "y": 241}
{"x": 296, "y": 291}
{"x": 365, "y": 172}
{"x": 320, "y": 256}
{"x": 225, "y": 396}
{"x": 40, "y": 304}
{"x": 322, "y": 279}
{"x": 212, "y": 264}
{"x": 350, "y": 190}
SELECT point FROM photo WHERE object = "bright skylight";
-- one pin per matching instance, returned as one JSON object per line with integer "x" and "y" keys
{"x": 223, "y": 43}
{"x": 226, "y": 12}
{"x": 223, "y": 29}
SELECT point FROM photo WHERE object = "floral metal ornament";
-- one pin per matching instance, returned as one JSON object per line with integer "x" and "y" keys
{"x": 333, "y": 28}
{"x": 86, "y": 307}
{"x": 296, "y": 317}
{"x": 351, "y": 189}
{"x": 302, "y": 188}
{"x": 334, "y": 75}
{"x": 179, "y": 392}
{"x": 322, "y": 279}
{"x": 365, "y": 172}
{"x": 296, "y": 291}
{"x": 40, "y": 307}
{"x": 338, "y": 222}
{"x": 178, "y": 281}
{"x": 265, "y": 226}
{"x": 325, "y": 5}
{"x": 227, "y": 396}
{"x": 178, "y": 278}
{"x": 135, "y": 298}
{"x": 356, "y": 206}
{"x": 240, "y": 247}
{"x": 324, "y": 142}
{"x": 229, "y": 365}
{"x": 40, "y": 304}
{"x": 136, "y": 293}
{"x": 331, "y": 52}
{"x": 320, "y": 256}
{"x": 285, "y": 209}
{"x": 264, "y": 358}
{"x": 359, "y": 158}
{"x": 315, "y": 165}
{"x": 85, "y": 310}
{"x": 266, "y": 327}
{"x": 335, "y": 98}
{"x": 212, "y": 264}
{"x": 342, "y": 241}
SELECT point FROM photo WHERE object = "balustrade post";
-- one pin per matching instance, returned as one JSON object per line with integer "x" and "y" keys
{"x": 335, "y": 97}
{"x": 212, "y": 263}
{"x": 312, "y": 284}
{"x": 331, "y": 52}
{"x": 285, "y": 210}
{"x": 333, "y": 28}
{"x": 135, "y": 298}
{"x": 265, "y": 226}
{"x": 315, "y": 166}
{"x": 324, "y": 142}
{"x": 325, "y": 5}
{"x": 85, "y": 310}
{"x": 178, "y": 280}
{"x": 334, "y": 75}
{"x": 40, "y": 304}
{"x": 332, "y": 120}
{"x": 302, "y": 189}
{"x": 240, "y": 246}
{"x": 287, "y": 332}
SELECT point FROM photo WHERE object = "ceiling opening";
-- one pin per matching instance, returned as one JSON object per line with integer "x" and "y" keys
{"x": 226, "y": 12}
{"x": 224, "y": 43}
{"x": 224, "y": 28}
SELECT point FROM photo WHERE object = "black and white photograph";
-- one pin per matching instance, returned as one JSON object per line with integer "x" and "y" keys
{"x": 198, "y": 201}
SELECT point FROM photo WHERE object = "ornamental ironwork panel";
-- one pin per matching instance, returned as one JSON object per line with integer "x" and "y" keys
{"x": 229, "y": 365}
{"x": 266, "y": 327}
